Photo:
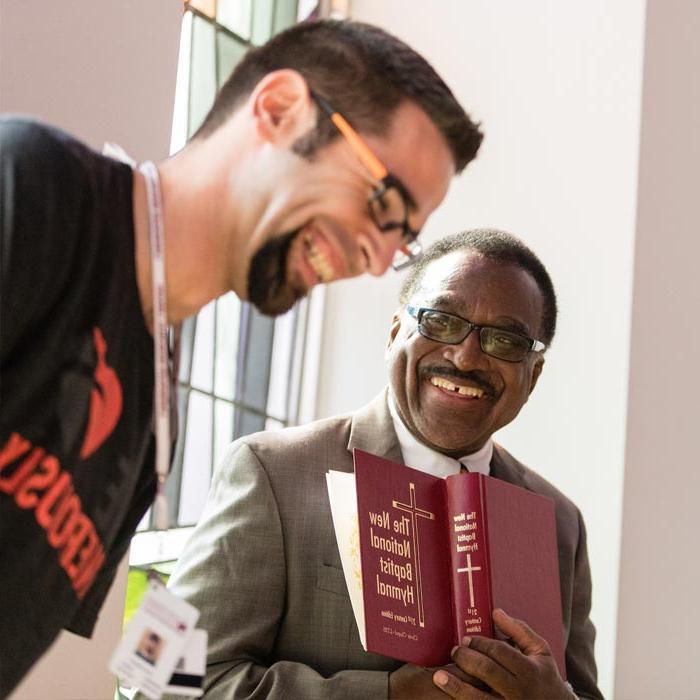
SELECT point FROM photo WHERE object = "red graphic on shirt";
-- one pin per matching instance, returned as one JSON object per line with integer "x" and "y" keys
{"x": 38, "y": 483}
{"x": 105, "y": 400}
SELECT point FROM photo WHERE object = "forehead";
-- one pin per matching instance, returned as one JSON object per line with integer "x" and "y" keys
{"x": 482, "y": 290}
{"x": 415, "y": 151}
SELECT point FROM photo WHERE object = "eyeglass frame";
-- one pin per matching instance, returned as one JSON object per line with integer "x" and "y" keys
{"x": 411, "y": 250}
{"x": 418, "y": 311}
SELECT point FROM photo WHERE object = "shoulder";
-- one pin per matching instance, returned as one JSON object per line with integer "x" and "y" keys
{"x": 48, "y": 164}
{"x": 300, "y": 439}
{"x": 567, "y": 512}
{"x": 303, "y": 450}
{"x": 17, "y": 131}
{"x": 47, "y": 175}
{"x": 288, "y": 465}
{"x": 25, "y": 139}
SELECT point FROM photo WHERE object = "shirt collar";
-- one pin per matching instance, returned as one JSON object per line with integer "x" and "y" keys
{"x": 422, "y": 457}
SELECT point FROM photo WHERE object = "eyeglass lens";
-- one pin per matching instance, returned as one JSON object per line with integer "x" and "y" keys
{"x": 388, "y": 209}
{"x": 389, "y": 213}
{"x": 496, "y": 342}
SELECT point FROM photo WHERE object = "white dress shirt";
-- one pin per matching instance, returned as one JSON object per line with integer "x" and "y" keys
{"x": 422, "y": 457}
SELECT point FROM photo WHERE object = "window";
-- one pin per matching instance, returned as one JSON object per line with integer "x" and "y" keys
{"x": 240, "y": 371}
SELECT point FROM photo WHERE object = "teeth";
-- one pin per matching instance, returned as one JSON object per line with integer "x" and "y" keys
{"x": 461, "y": 390}
{"x": 317, "y": 260}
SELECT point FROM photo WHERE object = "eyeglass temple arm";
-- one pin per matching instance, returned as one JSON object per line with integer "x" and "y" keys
{"x": 373, "y": 164}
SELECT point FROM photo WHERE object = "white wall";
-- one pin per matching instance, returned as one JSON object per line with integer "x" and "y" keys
{"x": 557, "y": 85}
{"x": 104, "y": 71}
{"x": 659, "y": 614}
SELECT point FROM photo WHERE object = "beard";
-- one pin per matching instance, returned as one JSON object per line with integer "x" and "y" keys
{"x": 268, "y": 288}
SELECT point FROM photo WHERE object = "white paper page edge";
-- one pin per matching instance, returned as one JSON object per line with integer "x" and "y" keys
{"x": 342, "y": 495}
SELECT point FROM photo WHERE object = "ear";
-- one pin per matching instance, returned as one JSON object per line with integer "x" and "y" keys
{"x": 282, "y": 107}
{"x": 536, "y": 371}
{"x": 393, "y": 332}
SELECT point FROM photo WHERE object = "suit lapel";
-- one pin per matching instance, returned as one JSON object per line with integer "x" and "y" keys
{"x": 505, "y": 467}
{"x": 372, "y": 430}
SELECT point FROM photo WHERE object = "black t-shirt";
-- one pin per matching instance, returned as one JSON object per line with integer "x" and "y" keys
{"x": 76, "y": 388}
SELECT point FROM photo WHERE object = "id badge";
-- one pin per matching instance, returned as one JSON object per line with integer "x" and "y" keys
{"x": 154, "y": 641}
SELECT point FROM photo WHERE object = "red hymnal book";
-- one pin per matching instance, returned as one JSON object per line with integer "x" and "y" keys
{"x": 438, "y": 555}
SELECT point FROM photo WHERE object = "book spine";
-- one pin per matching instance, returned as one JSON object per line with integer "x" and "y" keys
{"x": 471, "y": 575}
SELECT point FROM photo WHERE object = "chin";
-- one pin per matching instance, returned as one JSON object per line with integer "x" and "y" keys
{"x": 456, "y": 449}
{"x": 269, "y": 290}
{"x": 277, "y": 304}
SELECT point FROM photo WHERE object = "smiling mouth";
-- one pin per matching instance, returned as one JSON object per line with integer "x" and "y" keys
{"x": 318, "y": 259}
{"x": 470, "y": 391}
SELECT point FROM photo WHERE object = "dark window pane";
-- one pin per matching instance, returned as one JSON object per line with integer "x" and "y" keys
{"x": 248, "y": 422}
{"x": 174, "y": 483}
{"x": 230, "y": 53}
{"x": 254, "y": 354}
{"x": 285, "y": 14}
{"x": 262, "y": 21}
{"x": 202, "y": 72}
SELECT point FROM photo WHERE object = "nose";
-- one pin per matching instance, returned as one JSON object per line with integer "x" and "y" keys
{"x": 379, "y": 249}
{"x": 467, "y": 354}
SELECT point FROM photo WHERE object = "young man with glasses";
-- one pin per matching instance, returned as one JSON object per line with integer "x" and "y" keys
{"x": 466, "y": 347}
{"x": 306, "y": 170}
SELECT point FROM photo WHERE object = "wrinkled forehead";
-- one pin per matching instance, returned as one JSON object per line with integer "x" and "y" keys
{"x": 481, "y": 289}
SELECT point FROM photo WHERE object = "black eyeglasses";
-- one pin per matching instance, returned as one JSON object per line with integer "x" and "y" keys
{"x": 451, "y": 329}
{"x": 389, "y": 202}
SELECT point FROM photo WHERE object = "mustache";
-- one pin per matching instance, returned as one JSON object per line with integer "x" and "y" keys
{"x": 475, "y": 377}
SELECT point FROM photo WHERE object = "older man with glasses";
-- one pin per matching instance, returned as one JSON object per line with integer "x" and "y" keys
{"x": 466, "y": 347}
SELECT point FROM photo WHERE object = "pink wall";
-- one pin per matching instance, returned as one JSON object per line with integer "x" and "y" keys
{"x": 101, "y": 70}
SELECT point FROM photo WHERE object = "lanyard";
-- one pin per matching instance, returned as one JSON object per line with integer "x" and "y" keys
{"x": 160, "y": 340}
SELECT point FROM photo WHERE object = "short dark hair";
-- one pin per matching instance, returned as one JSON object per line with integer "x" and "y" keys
{"x": 363, "y": 71}
{"x": 501, "y": 247}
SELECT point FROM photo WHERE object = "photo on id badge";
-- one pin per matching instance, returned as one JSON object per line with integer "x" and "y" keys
{"x": 150, "y": 646}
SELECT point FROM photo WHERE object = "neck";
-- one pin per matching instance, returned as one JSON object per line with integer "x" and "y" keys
{"x": 195, "y": 243}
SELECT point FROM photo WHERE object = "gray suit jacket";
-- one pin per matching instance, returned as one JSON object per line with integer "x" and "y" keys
{"x": 264, "y": 570}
